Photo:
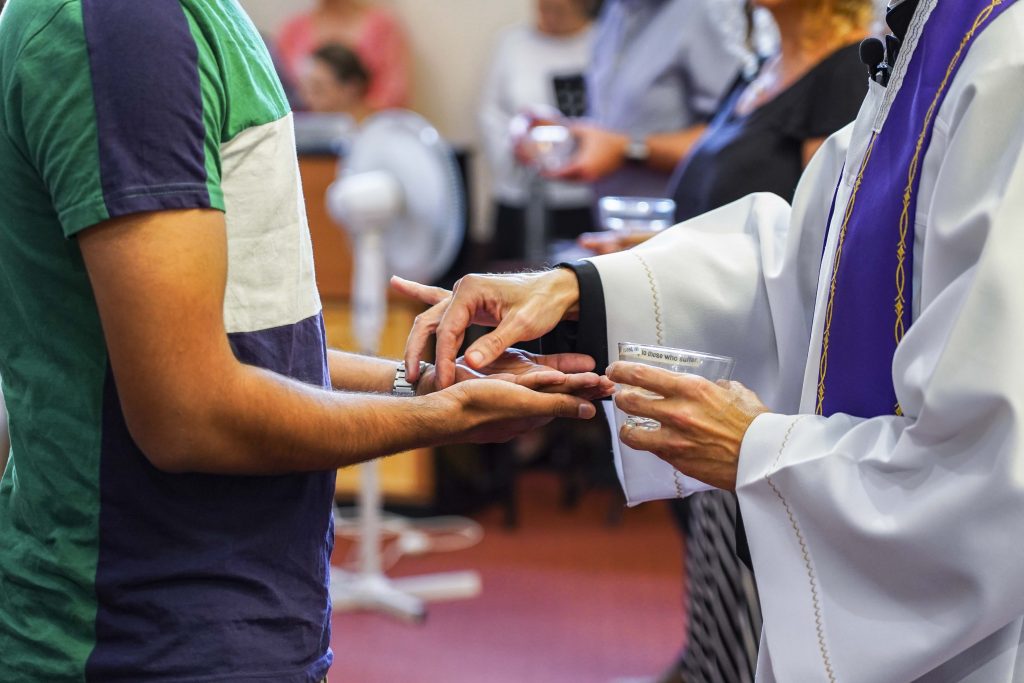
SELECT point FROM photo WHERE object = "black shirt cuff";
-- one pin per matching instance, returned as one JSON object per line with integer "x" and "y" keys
{"x": 589, "y": 334}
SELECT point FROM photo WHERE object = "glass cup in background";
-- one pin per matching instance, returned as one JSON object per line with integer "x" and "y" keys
{"x": 705, "y": 365}
{"x": 551, "y": 147}
{"x": 636, "y": 213}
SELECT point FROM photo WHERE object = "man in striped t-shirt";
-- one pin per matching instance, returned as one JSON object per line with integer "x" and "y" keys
{"x": 166, "y": 512}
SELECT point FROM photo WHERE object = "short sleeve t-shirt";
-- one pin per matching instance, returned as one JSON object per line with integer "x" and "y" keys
{"x": 111, "y": 570}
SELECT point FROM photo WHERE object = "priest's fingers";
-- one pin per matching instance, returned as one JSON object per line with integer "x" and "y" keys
{"x": 643, "y": 403}
{"x": 667, "y": 444}
{"x": 450, "y": 331}
{"x": 566, "y": 362}
{"x": 424, "y": 293}
{"x": 423, "y": 327}
{"x": 663, "y": 382}
{"x": 690, "y": 456}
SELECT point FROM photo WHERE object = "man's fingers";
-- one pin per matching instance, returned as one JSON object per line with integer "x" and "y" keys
{"x": 566, "y": 362}
{"x": 602, "y": 388}
{"x": 568, "y": 406}
{"x": 587, "y": 385}
{"x": 663, "y": 382}
{"x": 535, "y": 404}
{"x": 425, "y": 293}
{"x": 544, "y": 379}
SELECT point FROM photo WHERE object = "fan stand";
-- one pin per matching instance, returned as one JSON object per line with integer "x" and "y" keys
{"x": 369, "y": 588}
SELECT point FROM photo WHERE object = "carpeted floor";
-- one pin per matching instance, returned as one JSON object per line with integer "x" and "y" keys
{"x": 566, "y": 599}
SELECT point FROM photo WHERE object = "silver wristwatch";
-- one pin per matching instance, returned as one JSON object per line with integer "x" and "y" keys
{"x": 402, "y": 387}
{"x": 638, "y": 151}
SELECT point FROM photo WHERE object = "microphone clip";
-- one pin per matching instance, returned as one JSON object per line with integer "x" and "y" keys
{"x": 880, "y": 57}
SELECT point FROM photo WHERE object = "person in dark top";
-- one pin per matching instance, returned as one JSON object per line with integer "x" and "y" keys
{"x": 765, "y": 149}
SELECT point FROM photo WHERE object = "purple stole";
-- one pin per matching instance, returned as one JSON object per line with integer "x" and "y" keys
{"x": 869, "y": 300}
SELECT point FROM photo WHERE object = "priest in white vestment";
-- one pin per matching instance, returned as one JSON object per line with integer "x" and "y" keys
{"x": 884, "y": 542}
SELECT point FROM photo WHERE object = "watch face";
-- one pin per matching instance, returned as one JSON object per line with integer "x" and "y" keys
{"x": 637, "y": 151}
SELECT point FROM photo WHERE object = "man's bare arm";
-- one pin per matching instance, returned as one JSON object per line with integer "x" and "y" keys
{"x": 159, "y": 284}
{"x": 353, "y": 372}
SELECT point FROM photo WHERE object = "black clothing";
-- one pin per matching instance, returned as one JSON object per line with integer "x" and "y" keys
{"x": 509, "y": 241}
{"x": 763, "y": 150}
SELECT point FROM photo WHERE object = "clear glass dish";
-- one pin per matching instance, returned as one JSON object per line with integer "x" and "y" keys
{"x": 636, "y": 213}
{"x": 706, "y": 365}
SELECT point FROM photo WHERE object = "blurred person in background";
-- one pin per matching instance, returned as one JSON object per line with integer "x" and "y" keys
{"x": 659, "y": 72}
{"x": 535, "y": 64}
{"x": 372, "y": 32}
{"x": 334, "y": 80}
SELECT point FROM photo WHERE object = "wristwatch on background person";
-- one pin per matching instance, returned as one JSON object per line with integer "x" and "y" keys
{"x": 638, "y": 151}
{"x": 403, "y": 387}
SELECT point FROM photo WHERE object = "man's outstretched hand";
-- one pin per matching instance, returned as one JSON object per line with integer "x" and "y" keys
{"x": 492, "y": 411}
{"x": 562, "y": 373}
{"x": 520, "y": 307}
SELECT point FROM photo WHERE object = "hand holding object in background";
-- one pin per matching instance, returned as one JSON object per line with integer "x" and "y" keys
{"x": 526, "y": 120}
{"x": 599, "y": 152}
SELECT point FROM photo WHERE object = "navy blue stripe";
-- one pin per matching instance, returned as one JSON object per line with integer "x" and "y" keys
{"x": 149, "y": 108}
{"x": 203, "y": 577}
{"x": 297, "y": 351}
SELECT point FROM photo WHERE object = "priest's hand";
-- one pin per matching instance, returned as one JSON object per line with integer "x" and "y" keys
{"x": 702, "y": 423}
{"x": 562, "y": 373}
{"x": 520, "y": 307}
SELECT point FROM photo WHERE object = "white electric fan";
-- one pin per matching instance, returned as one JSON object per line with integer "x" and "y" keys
{"x": 399, "y": 198}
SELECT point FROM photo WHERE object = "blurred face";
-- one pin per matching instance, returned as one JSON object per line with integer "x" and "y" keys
{"x": 322, "y": 92}
{"x": 560, "y": 17}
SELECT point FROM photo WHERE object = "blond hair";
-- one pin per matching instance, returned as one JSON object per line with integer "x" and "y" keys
{"x": 835, "y": 22}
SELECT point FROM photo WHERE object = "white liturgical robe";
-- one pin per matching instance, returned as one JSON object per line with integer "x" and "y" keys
{"x": 885, "y": 549}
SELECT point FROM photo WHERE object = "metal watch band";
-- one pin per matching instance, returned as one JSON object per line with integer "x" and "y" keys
{"x": 638, "y": 151}
{"x": 402, "y": 387}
